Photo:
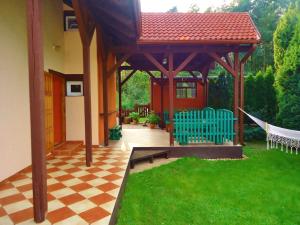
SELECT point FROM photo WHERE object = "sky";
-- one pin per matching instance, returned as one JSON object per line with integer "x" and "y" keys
{"x": 182, "y": 5}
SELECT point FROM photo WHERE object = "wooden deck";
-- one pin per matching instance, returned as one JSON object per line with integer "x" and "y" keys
{"x": 139, "y": 138}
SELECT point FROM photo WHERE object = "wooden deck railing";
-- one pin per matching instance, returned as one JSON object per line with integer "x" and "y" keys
{"x": 143, "y": 110}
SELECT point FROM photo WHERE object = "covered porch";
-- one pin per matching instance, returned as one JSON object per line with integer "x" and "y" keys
{"x": 169, "y": 47}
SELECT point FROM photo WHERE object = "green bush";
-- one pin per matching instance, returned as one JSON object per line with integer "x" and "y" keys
{"x": 134, "y": 116}
{"x": 254, "y": 133}
{"x": 153, "y": 118}
{"x": 288, "y": 69}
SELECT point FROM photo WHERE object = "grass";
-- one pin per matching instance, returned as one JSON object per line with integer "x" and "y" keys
{"x": 262, "y": 190}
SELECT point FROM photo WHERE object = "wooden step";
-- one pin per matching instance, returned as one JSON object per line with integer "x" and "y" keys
{"x": 67, "y": 148}
{"x": 138, "y": 156}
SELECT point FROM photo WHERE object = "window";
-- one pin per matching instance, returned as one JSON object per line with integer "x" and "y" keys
{"x": 186, "y": 90}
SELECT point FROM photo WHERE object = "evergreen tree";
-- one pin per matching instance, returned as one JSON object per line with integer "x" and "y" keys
{"x": 288, "y": 81}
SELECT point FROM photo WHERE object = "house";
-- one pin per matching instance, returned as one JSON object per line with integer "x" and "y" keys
{"x": 60, "y": 66}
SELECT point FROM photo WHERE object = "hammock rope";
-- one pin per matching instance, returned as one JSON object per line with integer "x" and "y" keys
{"x": 288, "y": 139}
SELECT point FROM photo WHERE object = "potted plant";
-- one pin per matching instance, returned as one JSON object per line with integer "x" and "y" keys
{"x": 127, "y": 120}
{"x": 153, "y": 120}
{"x": 168, "y": 124}
{"x": 135, "y": 116}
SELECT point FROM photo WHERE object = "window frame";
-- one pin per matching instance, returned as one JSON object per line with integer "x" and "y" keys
{"x": 185, "y": 90}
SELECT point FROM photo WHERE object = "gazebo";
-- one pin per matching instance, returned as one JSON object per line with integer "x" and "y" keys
{"x": 192, "y": 42}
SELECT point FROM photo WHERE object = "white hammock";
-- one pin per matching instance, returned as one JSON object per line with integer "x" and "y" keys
{"x": 277, "y": 135}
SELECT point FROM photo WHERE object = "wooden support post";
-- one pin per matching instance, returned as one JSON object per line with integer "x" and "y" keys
{"x": 162, "y": 101}
{"x": 86, "y": 29}
{"x": 37, "y": 109}
{"x": 120, "y": 96}
{"x": 151, "y": 93}
{"x": 171, "y": 96}
{"x": 87, "y": 103}
{"x": 207, "y": 92}
{"x": 241, "y": 114}
{"x": 105, "y": 102}
{"x": 236, "y": 97}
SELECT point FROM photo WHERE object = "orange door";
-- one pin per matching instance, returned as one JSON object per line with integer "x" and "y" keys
{"x": 59, "y": 109}
{"x": 49, "y": 130}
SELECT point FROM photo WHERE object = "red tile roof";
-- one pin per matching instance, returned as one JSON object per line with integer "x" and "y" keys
{"x": 208, "y": 28}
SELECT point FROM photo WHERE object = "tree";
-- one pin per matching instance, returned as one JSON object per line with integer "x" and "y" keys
{"x": 260, "y": 95}
{"x": 221, "y": 91}
{"x": 288, "y": 71}
{"x": 136, "y": 90}
{"x": 265, "y": 14}
{"x": 194, "y": 8}
{"x": 173, "y": 10}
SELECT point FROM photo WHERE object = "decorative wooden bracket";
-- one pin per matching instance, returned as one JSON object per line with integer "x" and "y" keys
{"x": 185, "y": 63}
{"x": 217, "y": 58}
{"x": 200, "y": 81}
{"x": 128, "y": 77}
{"x": 228, "y": 60}
{"x": 248, "y": 54}
{"x": 156, "y": 63}
{"x": 86, "y": 24}
{"x": 118, "y": 64}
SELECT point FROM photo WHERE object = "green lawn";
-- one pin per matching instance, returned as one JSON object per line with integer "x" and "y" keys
{"x": 264, "y": 189}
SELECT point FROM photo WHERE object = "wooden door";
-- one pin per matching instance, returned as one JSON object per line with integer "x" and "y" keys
{"x": 49, "y": 129}
{"x": 59, "y": 109}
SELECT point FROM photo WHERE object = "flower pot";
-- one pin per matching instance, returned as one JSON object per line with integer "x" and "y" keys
{"x": 152, "y": 126}
{"x": 168, "y": 127}
{"x": 127, "y": 120}
{"x": 134, "y": 122}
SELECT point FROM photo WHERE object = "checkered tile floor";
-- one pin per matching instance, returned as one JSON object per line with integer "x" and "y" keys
{"x": 76, "y": 194}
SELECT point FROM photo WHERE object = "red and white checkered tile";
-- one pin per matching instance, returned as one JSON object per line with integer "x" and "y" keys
{"x": 76, "y": 194}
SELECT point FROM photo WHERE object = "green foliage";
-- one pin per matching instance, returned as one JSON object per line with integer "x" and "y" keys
{"x": 260, "y": 95}
{"x": 265, "y": 14}
{"x": 254, "y": 133}
{"x": 284, "y": 34}
{"x": 173, "y": 10}
{"x": 136, "y": 90}
{"x": 194, "y": 8}
{"x": 134, "y": 115}
{"x": 288, "y": 79}
{"x": 221, "y": 91}
{"x": 153, "y": 118}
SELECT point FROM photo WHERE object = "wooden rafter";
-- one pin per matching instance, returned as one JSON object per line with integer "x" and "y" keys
{"x": 113, "y": 16}
{"x": 137, "y": 49}
{"x": 156, "y": 63}
{"x": 217, "y": 58}
{"x": 185, "y": 63}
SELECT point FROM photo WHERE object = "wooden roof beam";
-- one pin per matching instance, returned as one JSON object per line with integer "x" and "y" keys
{"x": 113, "y": 16}
{"x": 185, "y": 63}
{"x": 219, "y": 60}
{"x": 248, "y": 54}
{"x": 156, "y": 63}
